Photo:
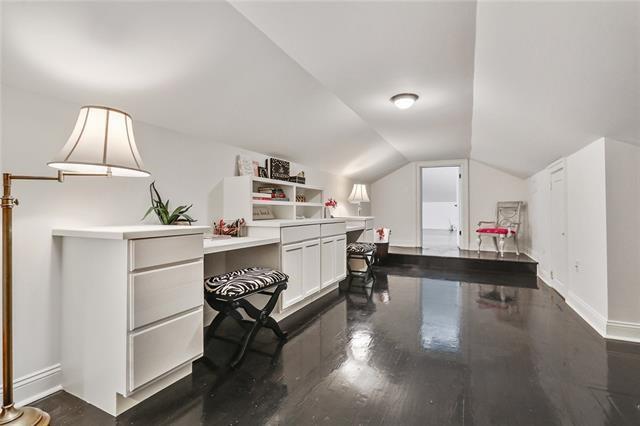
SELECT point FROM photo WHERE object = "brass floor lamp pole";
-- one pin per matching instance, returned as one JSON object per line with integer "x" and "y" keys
{"x": 10, "y": 414}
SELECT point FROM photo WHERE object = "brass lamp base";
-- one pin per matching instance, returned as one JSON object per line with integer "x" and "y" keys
{"x": 23, "y": 416}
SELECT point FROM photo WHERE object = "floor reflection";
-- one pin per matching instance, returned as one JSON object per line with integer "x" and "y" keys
{"x": 404, "y": 350}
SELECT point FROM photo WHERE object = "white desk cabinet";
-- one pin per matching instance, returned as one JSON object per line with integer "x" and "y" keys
{"x": 301, "y": 261}
{"x": 132, "y": 303}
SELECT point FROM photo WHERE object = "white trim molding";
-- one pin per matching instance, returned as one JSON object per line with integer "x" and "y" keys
{"x": 38, "y": 384}
{"x": 594, "y": 318}
{"x": 620, "y": 330}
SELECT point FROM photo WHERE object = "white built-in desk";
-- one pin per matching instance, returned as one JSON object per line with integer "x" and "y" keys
{"x": 220, "y": 245}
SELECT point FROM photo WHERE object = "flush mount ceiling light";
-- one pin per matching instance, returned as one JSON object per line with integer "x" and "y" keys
{"x": 404, "y": 100}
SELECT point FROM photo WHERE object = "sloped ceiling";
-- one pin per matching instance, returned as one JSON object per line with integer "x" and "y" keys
{"x": 515, "y": 85}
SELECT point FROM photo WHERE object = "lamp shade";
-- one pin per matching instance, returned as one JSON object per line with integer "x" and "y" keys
{"x": 359, "y": 194}
{"x": 101, "y": 142}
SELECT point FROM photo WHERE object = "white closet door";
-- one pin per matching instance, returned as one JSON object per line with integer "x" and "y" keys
{"x": 292, "y": 265}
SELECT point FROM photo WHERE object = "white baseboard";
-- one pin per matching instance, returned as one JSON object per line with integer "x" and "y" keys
{"x": 403, "y": 243}
{"x": 620, "y": 330}
{"x": 37, "y": 385}
{"x": 594, "y": 318}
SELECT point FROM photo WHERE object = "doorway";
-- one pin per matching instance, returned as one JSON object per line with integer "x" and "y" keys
{"x": 440, "y": 206}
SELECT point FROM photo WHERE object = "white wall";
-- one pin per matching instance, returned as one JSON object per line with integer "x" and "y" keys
{"x": 487, "y": 186}
{"x": 394, "y": 204}
{"x": 623, "y": 231}
{"x": 586, "y": 233}
{"x": 603, "y": 230}
{"x": 394, "y": 200}
{"x": 185, "y": 169}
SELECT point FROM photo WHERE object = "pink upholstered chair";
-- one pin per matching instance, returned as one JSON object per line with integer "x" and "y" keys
{"x": 505, "y": 226}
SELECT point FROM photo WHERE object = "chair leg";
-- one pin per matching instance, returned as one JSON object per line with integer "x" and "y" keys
{"x": 515, "y": 241}
{"x": 501, "y": 245}
{"x": 246, "y": 341}
{"x": 275, "y": 327}
{"x": 495, "y": 243}
{"x": 479, "y": 242}
{"x": 211, "y": 331}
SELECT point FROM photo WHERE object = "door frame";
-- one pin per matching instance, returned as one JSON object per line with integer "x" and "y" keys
{"x": 463, "y": 208}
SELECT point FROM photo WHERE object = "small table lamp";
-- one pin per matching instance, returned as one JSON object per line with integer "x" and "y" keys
{"x": 359, "y": 195}
{"x": 101, "y": 144}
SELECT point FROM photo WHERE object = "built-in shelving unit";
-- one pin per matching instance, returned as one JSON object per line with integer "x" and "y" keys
{"x": 239, "y": 201}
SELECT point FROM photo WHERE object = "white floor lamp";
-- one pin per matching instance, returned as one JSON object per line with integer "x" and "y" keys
{"x": 101, "y": 144}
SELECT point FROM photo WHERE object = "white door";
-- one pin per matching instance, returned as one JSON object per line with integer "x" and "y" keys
{"x": 292, "y": 265}
{"x": 341, "y": 257}
{"x": 558, "y": 223}
{"x": 311, "y": 267}
{"x": 328, "y": 260}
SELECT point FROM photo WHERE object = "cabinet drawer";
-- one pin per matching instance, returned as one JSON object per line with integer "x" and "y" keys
{"x": 159, "y": 349}
{"x": 368, "y": 224}
{"x": 161, "y": 293}
{"x": 148, "y": 252}
{"x": 329, "y": 229}
{"x": 292, "y": 234}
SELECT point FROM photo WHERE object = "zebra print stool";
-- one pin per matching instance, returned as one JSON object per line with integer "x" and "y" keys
{"x": 226, "y": 293}
{"x": 363, "y": 251}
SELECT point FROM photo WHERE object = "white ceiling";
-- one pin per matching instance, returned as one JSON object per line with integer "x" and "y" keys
{"x": 551, "y": 78}
{"x": 515, "y": 85}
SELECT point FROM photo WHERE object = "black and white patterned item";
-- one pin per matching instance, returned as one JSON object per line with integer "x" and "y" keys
{"x": 360, "y": 248}
{"x": 242, "y": 282}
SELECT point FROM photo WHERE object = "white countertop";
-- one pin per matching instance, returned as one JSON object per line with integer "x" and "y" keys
{"x": 283, "y": 223}
{"x": 235, "y": 243}
{"x": 130, "y": 231}
{"x": 353, "y": 218}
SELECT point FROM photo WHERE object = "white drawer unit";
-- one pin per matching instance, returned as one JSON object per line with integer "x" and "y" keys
{"x": 149, "y": 252}
{"x": 156, "y": 350}
{"x": 160, "y": 293}
{"x": 293, "y": 234}
{"x": 331, "y": 229}
{"x": 132, "y": 311}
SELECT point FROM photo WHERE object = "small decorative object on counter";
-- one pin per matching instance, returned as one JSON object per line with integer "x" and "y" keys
{"x": 178, "y": 216}
{"x": 329, "y": 205}
{"x": 279, "y": 169}
{"x": 299, "y": 178}
{"x": 381, "y": 238}
{"x": 300, "y": 198}
{"x": 245, "y": 166}
{"x": 233, "y": 229}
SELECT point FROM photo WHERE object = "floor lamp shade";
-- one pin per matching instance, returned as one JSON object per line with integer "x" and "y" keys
{"x": 101, "y": 142}
{"x": 359, "y": 194}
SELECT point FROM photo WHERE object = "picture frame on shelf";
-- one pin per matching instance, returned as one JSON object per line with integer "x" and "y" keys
{"x": 263, "y": 173}
{"x": 279, "y": 169}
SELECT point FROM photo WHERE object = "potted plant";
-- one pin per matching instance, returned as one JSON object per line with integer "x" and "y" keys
{"x": 178, "y": 216}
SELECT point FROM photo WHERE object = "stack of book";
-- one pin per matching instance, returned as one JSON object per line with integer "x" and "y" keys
{"x": 269, "y": 193}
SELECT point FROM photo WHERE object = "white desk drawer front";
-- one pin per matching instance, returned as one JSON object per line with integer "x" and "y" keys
{"x": 293, "y": 234}
{"x": 159, "y": 349}
{"x": 329, "y": 229}
{"x": 148, "y": 252}
{"x": 161, "y": 293}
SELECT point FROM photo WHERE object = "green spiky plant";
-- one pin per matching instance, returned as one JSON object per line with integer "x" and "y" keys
{"x": 161, "y": 209}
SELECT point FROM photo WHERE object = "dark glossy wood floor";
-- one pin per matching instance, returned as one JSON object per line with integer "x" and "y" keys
{"x": 416, "y": 350}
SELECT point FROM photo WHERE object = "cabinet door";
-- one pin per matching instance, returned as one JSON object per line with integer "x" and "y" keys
{"x": 341, "y": 257}
{"x": 328, "y": 261}
{"x": 311, "y": 267}
{"x": 292, "y": 265}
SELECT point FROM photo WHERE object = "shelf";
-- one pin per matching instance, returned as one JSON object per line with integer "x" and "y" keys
{"x": 272, "y": 203}
{"x": 309, "y": 204}
{"x": 272, "y": 181}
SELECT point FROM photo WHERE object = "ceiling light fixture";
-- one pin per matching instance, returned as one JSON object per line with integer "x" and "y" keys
{"x": 404, "y": 100}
